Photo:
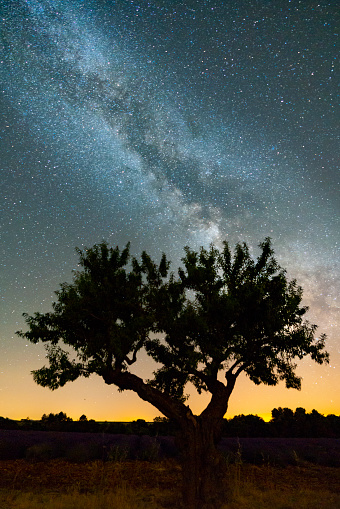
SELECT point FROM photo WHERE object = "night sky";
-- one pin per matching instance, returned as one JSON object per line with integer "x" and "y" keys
{"x": 166, "y": 124}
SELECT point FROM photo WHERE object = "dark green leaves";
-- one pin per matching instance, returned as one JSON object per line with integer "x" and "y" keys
{"x": 225, "y": 312}
{"x": 104, "y": 315}
{"x": 60, "y": 371}
{"x": 244, "y": 316}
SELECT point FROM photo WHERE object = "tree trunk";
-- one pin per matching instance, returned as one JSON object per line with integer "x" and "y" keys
{"x": 203, "y": 467}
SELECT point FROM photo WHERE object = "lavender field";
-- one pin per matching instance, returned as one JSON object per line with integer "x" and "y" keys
{"x": 81, "y": 447}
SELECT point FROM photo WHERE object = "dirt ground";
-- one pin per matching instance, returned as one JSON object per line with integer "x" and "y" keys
{"x": 59, "y": 475}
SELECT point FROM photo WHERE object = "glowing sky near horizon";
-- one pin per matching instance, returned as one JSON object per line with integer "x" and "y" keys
{"x": 166, "y": 124}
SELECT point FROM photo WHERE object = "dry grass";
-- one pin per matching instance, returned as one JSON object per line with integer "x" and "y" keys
{"x": 57, "y": 484}
{"x": 284, "y": 488}
{"x": 121, "y": 498}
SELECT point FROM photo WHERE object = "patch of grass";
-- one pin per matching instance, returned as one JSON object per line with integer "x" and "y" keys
{"x": 250, "y": 497}
{"x": 269, "y": 487}
{"x": 122, "y": 498}
{"x": 59, "y": 484}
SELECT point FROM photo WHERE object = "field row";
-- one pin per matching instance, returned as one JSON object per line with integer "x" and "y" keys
{"x": 82, "y": 447}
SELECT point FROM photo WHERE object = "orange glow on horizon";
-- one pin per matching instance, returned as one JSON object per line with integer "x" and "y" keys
{"x": 21, "y": 397}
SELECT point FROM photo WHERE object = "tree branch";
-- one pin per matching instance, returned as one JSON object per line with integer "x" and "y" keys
{"x": 97, "y": 317}
{"x": 229, "y": 372}
{"x": 218, "y": 404}
{"x": 134, "y": 355}
{"x": 211, "y": 381}
{"x": 241, "y": 368}
{"x": 169, "y": 407}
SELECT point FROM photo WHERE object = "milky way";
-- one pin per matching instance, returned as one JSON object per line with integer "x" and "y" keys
{"x": 167, "y": 124}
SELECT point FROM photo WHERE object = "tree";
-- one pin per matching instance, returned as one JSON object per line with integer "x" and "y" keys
{"x": 56, "y": 422}
{"x": 223, "y": 314}
{"x": 245, "y": 426}
{"x": 282, "y": 421}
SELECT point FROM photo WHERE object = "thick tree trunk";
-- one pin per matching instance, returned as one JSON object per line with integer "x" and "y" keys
{"x": 202, "y": 463}
{"x": 203, "y": 467}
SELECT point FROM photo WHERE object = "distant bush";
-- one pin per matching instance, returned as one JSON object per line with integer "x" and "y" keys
{"x": 285, "y": 423}
{"x": 6, "y": 423}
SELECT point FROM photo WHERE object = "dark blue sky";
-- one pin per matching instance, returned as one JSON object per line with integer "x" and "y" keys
{"x": 166, "y": 124}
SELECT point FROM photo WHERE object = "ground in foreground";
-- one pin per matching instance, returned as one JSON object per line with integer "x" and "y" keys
{"x": 57, "y": 484}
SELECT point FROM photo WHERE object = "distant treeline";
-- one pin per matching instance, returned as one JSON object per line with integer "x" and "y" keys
{"x": 284, "y": 423}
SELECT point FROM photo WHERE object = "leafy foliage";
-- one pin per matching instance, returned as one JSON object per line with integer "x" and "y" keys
{"x": 103, "y": 315}
{"x": 224, "y": 312}
{"x": 245, "y": 316}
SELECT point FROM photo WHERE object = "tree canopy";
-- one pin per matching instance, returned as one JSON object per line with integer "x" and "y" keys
{"x": 221, "y": 315}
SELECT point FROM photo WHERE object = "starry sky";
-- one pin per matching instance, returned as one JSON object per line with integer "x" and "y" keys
{"x": 166, "y": 124}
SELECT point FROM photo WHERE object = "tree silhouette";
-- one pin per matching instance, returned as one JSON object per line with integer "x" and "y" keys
{"x": 223, "y": 314}
{"x": 56, "y": 422}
